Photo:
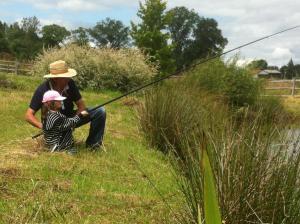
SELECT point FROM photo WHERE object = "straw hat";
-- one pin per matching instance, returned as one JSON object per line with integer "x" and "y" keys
{"x": 59, "y": 69}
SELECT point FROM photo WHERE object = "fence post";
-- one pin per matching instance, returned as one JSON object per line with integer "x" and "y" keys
{"x": 294, "y": 85}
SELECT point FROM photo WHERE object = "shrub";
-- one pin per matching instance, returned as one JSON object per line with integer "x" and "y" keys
{"x": 100, "y": 68}
{"x": 236, "y": 85}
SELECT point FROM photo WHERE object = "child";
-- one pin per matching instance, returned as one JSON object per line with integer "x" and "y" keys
{"x": 57, "y": 128}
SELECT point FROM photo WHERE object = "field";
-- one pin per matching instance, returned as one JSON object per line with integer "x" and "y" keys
{"x": 114, "y": 185}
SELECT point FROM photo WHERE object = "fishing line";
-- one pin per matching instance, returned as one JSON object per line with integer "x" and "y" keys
{"x": 185, "y": 69}
{"x": 193, "y": 66}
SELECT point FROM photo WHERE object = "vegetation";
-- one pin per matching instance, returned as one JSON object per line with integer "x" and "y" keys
{"x": 246, "y": 144}
{"x": 193, "y": 37}
{"x": 110, "y": 33}
{"x": 54, "y": 35}
{"x": 149, "y": 36}
{"x": 103, "y": 187}
{"x": 100, "y": 69}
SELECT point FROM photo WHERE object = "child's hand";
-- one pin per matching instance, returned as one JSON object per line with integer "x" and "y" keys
{"x": 84, "y": 113}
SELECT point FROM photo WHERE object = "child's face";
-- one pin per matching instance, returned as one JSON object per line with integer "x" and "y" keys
{"x": 57, "y": 105}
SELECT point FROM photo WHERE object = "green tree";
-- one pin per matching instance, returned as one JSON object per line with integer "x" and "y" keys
{"x": 80, "y": 36}
{"x": 110, "y": 33}
{"x": 53, "y": 35}
{"x": 297, "y": 70}
{"x": 150, "y": 35}
{"x": 258, "y": 64}
{"x": 23, "y": 38}
{"x": 4, "y": 46}
{"x": 290, "y": 70}
{"x": 193, "y": 37}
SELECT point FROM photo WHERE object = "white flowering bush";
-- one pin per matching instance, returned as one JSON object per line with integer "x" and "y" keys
{"x": 102, "y": 68}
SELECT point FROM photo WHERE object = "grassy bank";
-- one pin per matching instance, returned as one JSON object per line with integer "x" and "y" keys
{"x": 101, "y": 187}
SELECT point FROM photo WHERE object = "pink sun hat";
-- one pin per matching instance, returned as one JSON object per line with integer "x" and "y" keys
{"x": 51, "y": 95}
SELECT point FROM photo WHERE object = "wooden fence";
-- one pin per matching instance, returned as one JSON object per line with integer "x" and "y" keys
{"x": 15, "y": 67}
{"x": 289, "y": 87}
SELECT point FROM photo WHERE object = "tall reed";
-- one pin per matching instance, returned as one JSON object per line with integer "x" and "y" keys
{"x": 256, "y": 171}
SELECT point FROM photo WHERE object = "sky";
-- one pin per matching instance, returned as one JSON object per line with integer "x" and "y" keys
{"x": 240, "y": 21}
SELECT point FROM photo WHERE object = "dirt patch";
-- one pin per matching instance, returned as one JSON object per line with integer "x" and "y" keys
{"x": 10, "y": 172}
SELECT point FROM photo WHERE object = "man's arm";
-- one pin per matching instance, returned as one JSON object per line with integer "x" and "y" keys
{"x": 31, "y": 119}
{"x": 80, "y": 106}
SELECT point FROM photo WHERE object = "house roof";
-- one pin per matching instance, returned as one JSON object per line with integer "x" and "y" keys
{"x": 269, "y": 72}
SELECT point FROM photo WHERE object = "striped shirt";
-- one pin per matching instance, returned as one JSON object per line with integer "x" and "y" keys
{"x": 57, "y": 129}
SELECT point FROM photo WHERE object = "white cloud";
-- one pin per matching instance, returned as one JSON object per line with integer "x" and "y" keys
{"x": 240, "y": 21}
{"x": 245, "y": 21}
{"x": 281, "y": 53}
{"x": 78, "y": 5}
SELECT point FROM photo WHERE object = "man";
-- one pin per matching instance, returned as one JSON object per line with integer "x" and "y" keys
{"x": 60, "y": 79}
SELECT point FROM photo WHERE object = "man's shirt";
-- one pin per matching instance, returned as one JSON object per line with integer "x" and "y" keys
{"x": 71, "y": 92}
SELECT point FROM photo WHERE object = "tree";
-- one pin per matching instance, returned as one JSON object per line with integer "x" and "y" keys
{"x": 194, "y": 37}
{"x": 53, "y": 35}
{"x": 23, "y": 38}
{"x": 80, "y": 36}
{"x": 110, "y": 33}
{"x": 290, "y": 70}
{"x": 4, "y": 46}
{"x": 150, "y": 35}
{"x": 297, "y": 70}
{"x": 258, "y": 64}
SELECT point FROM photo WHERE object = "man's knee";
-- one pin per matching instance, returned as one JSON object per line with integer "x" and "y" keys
{"x": 100, "y": 113}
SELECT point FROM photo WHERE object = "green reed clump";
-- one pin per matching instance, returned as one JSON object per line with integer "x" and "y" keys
{"x": 103, "y": 68}
{"x": 255, "y": 162}
{"x": 172, "y": 111}
{"x": 257, "y": 173}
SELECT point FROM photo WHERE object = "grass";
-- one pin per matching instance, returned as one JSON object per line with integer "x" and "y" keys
{"x": 101, "y": 187}
{"x": 256, "y": 167}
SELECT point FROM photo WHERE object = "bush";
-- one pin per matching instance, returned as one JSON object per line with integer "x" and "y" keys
{"x": 236, "y": 85}
{"x": 100, "y": 68}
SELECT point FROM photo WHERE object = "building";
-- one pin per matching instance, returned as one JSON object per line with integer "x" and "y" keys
{"x": 269, "y": 74}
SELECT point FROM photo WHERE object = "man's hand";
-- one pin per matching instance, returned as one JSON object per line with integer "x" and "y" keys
{"x": 84, "y": 113}
{"x": 30, "y": 118}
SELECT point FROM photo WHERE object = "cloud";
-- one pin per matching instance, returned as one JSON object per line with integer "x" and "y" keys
{"x": 280, "y": 53}
{"x": 79, "y": 5}
{"x": 245, "y": 21}
{"x": 240, "y": 21}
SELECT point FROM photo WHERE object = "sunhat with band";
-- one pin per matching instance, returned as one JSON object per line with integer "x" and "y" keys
{"x": 51, "y": 95}
{"x": 60, "y": 69}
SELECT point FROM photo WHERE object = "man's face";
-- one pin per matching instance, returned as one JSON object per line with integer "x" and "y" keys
{"x": 61, "y": 81}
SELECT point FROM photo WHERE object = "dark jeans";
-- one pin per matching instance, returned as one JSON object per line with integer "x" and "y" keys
{"x": 97, "y": 118}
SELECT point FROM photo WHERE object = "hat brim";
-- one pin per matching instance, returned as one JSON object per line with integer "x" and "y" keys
{"x": 61, "y": 98}
{"x": 71, "y": 73}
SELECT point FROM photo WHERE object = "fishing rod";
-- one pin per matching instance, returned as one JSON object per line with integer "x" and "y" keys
{"x": 192, "y": 66}
{"x": 186, "y": 69}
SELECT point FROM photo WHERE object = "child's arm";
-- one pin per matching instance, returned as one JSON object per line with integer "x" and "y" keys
{"x": 68, "y": 123}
